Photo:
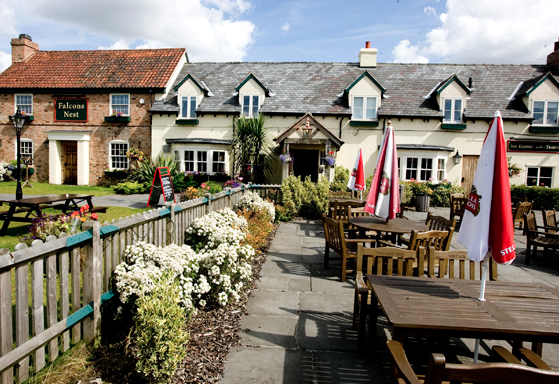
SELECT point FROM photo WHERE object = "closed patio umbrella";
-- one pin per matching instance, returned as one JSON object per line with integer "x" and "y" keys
{"x": 384, "y": 197}
{"x": 357, "y": 176}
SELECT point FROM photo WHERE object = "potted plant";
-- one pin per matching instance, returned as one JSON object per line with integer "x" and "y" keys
{"x": 330, "y": 159}
{"x": 285, "y": 157}
{"x": 422, "y": 191}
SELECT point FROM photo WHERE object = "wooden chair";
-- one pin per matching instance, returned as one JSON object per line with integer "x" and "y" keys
{"x": 337, "y": 241}
{"x": 378, "y": 261}
{"x": 442, "y": 264}
{"x": 436, "y": 223}
{"x": 438, "y": 371}
{"x": 531, "y": 358}
{"x": 521, "y": 209}
{"x": 516, "y": 200}
{"x": 340, "y": 195}
{"x": 439, "y": 240}
{"x": 360, "y": 212}
{"x": 550, "y": 221}
{"x": 457, "y": 205}
{"x": 341, "y": 210}
{"x": 536, "y": 236}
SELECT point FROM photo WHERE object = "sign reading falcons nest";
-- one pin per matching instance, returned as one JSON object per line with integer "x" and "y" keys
{"x": 542, "y": 146}
{"x": 70, "y": 110}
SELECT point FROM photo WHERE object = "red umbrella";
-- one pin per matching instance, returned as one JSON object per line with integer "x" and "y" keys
{"x": 487, "y": 229}
{"x": 384, "y": 197}
{"x": 357, "y": 177}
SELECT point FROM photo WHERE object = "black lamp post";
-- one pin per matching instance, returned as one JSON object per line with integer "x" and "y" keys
{"x": 19, "y": 121}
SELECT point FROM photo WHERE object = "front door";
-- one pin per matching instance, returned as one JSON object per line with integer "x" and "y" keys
{"x": 70, "y": 170}
{"x": 305, "y": 163}
{"x": 469, "y": 166}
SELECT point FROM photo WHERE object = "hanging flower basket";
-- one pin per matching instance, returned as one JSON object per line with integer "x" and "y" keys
{"x": 285, "y": 157}
{"x": 330, "y": 159}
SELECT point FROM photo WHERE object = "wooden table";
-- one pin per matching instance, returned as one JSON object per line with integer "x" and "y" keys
{"x": 450, "y": 308}
{"x": 334, "y": 200}
{"x": 33, "y": 207}
{"x": 396, "y": 227}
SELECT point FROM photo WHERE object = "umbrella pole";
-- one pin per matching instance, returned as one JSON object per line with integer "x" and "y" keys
{"x": 476, "y": 351}
{"x": 483, "y": 278}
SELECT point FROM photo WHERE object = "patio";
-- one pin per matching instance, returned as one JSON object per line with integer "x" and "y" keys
{"x": 297, "y": 328}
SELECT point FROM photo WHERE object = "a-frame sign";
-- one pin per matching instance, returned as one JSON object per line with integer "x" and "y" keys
{"x": 161, "y": 183}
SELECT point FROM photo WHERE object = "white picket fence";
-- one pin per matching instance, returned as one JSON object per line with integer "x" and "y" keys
{"x": 51, "y": 293}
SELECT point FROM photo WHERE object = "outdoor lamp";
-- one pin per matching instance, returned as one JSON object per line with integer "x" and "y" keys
{"x": 457, "y": 157}
{"x": 307, "y": 129}
{"x": 19, "y": 121}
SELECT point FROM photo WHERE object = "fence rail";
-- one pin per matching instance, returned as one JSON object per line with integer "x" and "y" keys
{"x": 51, "y": 293}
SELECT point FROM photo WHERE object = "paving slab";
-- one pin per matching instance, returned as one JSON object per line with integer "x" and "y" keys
{"x": 269, "y": 331}
{"x": 333, "y": 303}
{"x": 347, "y": 367}
{"x": 326, "y": 331}
{"x": 285, "y": 256}
{"x": 286, "y": 269}
{"x": 268, "y": 302}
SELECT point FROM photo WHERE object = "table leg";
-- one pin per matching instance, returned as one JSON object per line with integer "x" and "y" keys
{"x": 6, "y": 224}
{"x": 374, "y": 312}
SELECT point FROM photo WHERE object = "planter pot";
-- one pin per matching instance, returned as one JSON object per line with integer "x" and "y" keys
{"x": 422, "y": 202}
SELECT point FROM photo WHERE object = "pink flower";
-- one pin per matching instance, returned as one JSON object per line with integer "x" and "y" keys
{"x": 94, "y": 216}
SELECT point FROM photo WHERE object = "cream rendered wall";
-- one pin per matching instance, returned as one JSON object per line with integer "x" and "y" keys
{"x": 453, "y": 90}
{"x": 365, "y": 87}
{"x": 545, "y": 91}
{"x": 188, "y": 88}
{"x": 251, "y": 87}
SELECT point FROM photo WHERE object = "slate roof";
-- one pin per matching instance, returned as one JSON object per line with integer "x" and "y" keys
{"x": 96, "y": 69}
{"x": 318, "y": 87}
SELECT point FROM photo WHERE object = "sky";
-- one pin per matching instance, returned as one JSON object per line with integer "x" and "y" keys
{"x": 403, "y": 31}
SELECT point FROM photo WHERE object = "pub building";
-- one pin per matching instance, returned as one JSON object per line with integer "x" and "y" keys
{"x": 320, "y": 113}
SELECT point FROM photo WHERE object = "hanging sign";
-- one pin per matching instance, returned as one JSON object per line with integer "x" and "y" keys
{"x": 70, "y": 110}
{"x": 542, "y": 146}
{"x": 162, "y": 184}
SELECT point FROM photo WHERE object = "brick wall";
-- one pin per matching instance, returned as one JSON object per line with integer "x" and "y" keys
{"x": 137, "y": 130}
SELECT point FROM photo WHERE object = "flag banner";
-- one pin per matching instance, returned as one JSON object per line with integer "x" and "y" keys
{"x": 487, "y": 223}
{"x": 357, "y": 176}
{"x": 384, "y": 194}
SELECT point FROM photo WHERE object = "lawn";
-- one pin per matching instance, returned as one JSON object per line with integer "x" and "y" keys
{"x": 16, "y": 230}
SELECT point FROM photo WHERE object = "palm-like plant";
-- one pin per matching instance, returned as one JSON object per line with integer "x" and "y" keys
{"x": 251, "y": 145}
{"x": 144, "y": 170}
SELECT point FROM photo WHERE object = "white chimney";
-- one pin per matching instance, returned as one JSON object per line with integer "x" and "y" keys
{"x": 368, "y": 56}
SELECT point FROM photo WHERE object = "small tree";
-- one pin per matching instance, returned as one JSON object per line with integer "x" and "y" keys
{"x": 252, "y": 147}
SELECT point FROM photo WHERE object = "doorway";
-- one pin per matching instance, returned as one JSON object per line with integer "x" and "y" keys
{"x": 305, "y": 163}
{"x": 70, "y": 161}
{"x": 469, "y": 166}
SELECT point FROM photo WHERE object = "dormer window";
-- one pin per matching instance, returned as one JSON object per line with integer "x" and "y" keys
{"x": 545, "y": 112}
{"x": 364, "y": 108}
{"x": 188, "y": 107}
{"x": 25, "y": 103}
{"x": 120, "y": 104}
{"x": 250, "y": 105}
{"x": 453, "y": 110}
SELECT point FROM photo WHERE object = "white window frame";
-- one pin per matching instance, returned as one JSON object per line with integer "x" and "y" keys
{"x": 25, "y": 145}
{"x": 453, "y": 110}
{"x": 112, "y": 110}
{"x": 16, "y": 104}
{"x": 364, "y": 108}
{"x": 251, "y": 106}
{"x": 545, "y": 111}
{"x": 190, "y": 114}
{"x": 538, "y": 177}
{"x": 111, "y": 155}
{"x": 195, "y": 164}
{"x": 436, "y": 172}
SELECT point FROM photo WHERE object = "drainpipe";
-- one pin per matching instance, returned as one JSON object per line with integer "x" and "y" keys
{"x": 340, "y": 135}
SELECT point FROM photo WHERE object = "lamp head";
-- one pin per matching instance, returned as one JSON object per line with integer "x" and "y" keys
{"x": 19, "y": 120}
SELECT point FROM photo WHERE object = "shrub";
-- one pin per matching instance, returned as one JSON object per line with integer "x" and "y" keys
{"x": 143, "y": 172}
{"x": 160, "y": 338}
{"x": 130, "y": 188}
{"x": 252, "y": 202}
{"x": 192, "y": 193}
{"x": 315, "y": 198}
{"x": 283, "y": 213}
{"x": 441, "y": 194}
{"x": 291, "y": 196}
{"x": 341, "y": 178}
{"x": 179, "y": 182}
{"x": 543, "y": 197}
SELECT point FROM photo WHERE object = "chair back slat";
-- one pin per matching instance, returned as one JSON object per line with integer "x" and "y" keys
{"x": 437, "y": 239}
{"x": 386, "y": 260}
{"x": 549, "y": 218}
{"x": 340, "y": 195}
{"x": 519, "y": 211}
{"x": 457, "y": 205}
{"x": 455, "y": 264}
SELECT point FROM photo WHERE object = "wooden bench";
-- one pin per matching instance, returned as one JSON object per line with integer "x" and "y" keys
{"x": 3, "y": 214}
{"x": 98, "y": 209}
{"x": 537, "y": 236}
{"x": 439, "y": 371}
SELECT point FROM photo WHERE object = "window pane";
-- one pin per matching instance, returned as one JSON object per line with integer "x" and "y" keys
{"x": 184, "y": 107}
{"x": 411, "y": 162}
{"x": 538, "y": 112}
{"x": 546, "y": 172}
{"x": 202, "y": 158}
{"x": 189, "y": 161}
{"x": 552, "y": 112}
{"x": 411, "y": 174}
{"x": 371, "y": 112}
{"x": 119, "y": 103}
{"x": 457, "y": 110}
{"x": 118, "y": 156}
{"x": 447, "y": 109}
{"x": 26, "y": 148}
{"x": 192, "y": 107}
{"x": 358, "y": 108}
{"x": 254, "y": 106}
{"x": 25, "y": 103}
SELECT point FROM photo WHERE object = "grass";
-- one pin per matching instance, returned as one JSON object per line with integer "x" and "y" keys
{"x": 16, "y": 230}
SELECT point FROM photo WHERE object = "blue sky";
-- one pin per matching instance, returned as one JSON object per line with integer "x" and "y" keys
{"x": 426, "y": 31}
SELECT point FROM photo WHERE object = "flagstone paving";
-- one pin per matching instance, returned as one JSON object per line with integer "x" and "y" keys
{"x": 298, "y": 325}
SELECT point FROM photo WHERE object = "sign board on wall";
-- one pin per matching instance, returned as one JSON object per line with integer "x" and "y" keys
{"x": 70, "y": 110}
{"x": 162, "y": 184}
{"x": 541, "y": 146}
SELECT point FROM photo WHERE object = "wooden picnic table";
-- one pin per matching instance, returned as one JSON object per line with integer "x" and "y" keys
{"x": 33, "y": 207}
{"x": 394, "y": 227}
{"x": 428, "y": 307}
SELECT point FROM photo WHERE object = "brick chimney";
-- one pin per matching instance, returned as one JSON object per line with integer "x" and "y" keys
{"x": 368, "y": 56}
{"x": 553, "y": 57}
{"x": 22, "y": 48}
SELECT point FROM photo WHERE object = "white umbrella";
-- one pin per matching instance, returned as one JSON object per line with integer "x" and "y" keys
{"x": 357, "y": 176}
{"x": 487, "y": 229}
{"x": 384, "y": 197}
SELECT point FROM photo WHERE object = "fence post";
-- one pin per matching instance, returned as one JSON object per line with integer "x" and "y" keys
{"x": 171, "y": 226}
{"x": 209, "y": 196}
{"x": 92, "y": 281}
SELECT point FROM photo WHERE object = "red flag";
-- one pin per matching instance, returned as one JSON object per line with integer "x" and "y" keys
{"x": 357, "y": 176}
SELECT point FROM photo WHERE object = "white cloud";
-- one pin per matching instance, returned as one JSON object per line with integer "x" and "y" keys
{"x": 285, "y": 27}
{"x": 209, "y": 29}
{"x": 430, "y": 11}
{"x": 491, "y": 32}
{"x": 5, "y": 60}
{"x": 405, "y": 53}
